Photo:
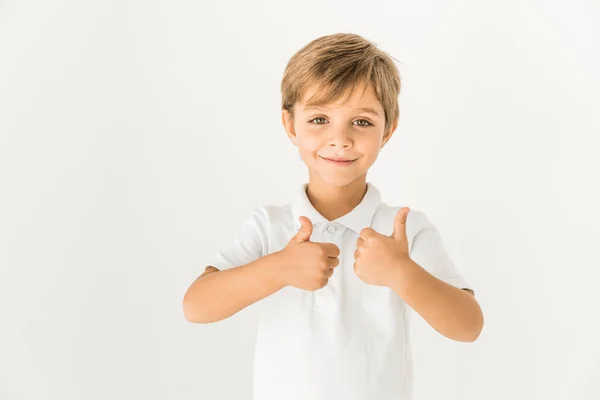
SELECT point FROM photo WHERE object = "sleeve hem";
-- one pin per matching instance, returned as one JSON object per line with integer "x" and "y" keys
{"x": 459, "y": 283}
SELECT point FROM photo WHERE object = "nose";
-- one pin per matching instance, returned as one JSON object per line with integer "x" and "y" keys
{"x": 340, "y": 138}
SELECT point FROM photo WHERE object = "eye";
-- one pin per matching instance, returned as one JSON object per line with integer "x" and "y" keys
{"x": 366, "y": 123}
{"x": 314, "y": 119}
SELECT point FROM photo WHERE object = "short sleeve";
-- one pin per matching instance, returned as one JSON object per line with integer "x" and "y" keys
{"x": 247, "y": 245}
{"x": 428, "y": 250}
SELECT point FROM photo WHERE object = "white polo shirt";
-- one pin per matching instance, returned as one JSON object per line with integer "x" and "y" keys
{"x": 349, "y": 340}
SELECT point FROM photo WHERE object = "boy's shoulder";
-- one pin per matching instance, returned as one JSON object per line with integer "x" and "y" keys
{"x": 273, "y": 219}
{"x": 273, "y": 212}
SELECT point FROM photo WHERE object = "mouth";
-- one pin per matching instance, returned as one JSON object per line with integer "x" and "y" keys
{"x": 339, "y": 161}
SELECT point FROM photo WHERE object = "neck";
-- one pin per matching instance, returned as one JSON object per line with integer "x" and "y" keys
{"x": 333, "y": 202}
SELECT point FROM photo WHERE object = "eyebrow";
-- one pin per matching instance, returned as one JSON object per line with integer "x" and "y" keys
{"x": 363, "y": 109}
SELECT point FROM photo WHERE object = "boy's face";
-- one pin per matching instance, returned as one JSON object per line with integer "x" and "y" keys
{"x": 339, "y": 131}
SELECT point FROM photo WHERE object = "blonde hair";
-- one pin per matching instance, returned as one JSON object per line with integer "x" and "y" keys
{"x": 336, "y": 63}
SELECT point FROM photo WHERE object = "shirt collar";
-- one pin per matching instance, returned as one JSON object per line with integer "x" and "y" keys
{"x": 359, "y": 218}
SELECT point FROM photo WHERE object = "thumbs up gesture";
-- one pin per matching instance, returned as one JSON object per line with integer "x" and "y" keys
{"x": 308, "y": 265}
{"x": 377, "y": 255}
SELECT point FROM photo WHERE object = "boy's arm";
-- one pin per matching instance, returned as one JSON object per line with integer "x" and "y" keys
{"x": 451, "y": 311}
{"x": 434, "y": 288}
{"x": 216, "y": 295}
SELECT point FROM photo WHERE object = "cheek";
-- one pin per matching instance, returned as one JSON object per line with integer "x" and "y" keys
{"x": 372, "y": 146}
{"x": 306, "y": 152}
{"x": 368, "y": 150}
{"x": 308, "y": 143}
{"x": 371, "y": 143}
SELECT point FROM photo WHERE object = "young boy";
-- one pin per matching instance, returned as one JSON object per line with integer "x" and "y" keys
{"x": 337, "y": 269}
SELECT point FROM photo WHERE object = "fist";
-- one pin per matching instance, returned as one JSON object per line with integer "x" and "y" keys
{"x": 308, "y": 265}
{"x": 376, "y": 255}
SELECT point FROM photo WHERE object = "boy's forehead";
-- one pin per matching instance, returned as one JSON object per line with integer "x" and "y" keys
{"x": 360, "y": 97}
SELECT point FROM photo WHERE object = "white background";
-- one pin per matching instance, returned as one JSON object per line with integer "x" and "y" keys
{"x": 137, "y": 136}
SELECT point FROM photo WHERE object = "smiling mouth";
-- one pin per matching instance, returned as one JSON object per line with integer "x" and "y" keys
{"x": 339, "y": 162}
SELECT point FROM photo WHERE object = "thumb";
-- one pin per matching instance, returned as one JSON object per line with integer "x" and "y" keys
{"x": 305, "y": 231}
{"x": 400, "y": 224}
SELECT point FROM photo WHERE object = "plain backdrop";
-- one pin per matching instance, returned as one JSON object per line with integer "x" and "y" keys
{"x": 136, "y": 137}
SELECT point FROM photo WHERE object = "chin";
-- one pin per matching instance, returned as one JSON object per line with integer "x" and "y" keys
{"x": 338, "y": 179}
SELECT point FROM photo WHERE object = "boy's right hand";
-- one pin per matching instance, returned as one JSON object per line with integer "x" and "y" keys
{"x": 308, "y": 265}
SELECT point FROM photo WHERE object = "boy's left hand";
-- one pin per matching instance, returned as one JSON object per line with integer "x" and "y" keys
{"x": 376, "y": 255}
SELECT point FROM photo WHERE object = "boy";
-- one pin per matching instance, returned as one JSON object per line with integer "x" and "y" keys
{"x": 337, "y": 269}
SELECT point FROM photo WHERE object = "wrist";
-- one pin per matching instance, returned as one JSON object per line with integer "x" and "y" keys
{"x": 276, "y": 269}
{"x": 401, "y": 274}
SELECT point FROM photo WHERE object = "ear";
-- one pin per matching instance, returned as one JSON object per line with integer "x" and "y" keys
{"x": 387, "y": 137}
{"x": 288, "y": 125}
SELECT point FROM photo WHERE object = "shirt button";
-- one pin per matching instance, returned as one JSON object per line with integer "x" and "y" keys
{"x": 331, "y": 229}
